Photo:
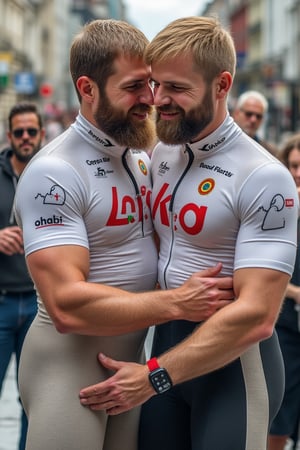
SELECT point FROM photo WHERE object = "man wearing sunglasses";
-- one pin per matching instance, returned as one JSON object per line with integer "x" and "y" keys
{"x": 18, "y": 302}
{"x": 250, "y": 110}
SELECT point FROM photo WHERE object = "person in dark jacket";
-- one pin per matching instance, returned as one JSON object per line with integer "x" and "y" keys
{"x": 18, "y": 303}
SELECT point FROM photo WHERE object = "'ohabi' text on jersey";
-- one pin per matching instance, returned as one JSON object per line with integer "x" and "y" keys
{"x": 83, "y": 189}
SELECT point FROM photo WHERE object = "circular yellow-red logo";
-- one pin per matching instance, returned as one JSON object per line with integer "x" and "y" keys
{"x": 143, "y": 167}
{"x": 206, "y": 186}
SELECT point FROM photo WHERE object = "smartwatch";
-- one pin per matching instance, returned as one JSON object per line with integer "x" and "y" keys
{"x": 158, "y": 377}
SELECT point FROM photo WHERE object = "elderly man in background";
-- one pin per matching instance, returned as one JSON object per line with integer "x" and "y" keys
{"x": 249, "y": 112}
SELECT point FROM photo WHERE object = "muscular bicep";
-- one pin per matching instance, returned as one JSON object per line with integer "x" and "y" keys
{"x": 74, "y": 305}
{"x": 58, "y": 272}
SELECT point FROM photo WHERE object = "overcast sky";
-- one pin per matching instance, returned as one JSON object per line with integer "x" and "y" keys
{"x": 152, "y": 15}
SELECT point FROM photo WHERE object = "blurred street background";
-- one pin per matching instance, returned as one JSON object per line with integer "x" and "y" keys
{"x": 35, "y": 37}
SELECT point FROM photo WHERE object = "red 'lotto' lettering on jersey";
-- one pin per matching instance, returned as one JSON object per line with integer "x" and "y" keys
{"x": 289, "y": 202}
{"x": 160, "y": 208}
{"x": 124, "y": 208}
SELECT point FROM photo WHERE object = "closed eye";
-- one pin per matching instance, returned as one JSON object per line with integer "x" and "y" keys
{"x": 135, "y": 86}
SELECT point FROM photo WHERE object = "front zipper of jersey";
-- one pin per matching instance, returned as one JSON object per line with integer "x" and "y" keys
{"x": 171, "y": 205}
{"x": 135, "y": 185}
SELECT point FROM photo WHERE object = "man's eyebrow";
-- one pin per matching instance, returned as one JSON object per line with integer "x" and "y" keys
{"x": 133, "y": 81}
{"x": 170, "y": 82}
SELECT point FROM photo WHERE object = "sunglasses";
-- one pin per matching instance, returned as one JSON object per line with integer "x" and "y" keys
{"x": 18, "y": 132}
{"x": 250, "y": 114}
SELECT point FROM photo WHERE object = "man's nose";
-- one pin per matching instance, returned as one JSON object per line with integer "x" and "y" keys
{"x": 147, "y": 96}
{"x": 160, "y": 97}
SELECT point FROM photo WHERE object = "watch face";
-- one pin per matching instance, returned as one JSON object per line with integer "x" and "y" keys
{"x": 160, "y": 380}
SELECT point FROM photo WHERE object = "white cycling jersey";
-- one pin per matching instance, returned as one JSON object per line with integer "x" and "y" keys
{"x": 83, "y": 189}
{"x": 223, "y": 198}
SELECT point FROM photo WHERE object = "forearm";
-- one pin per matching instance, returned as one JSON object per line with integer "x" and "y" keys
{"x": 99, "y": 309}
{"x": 225, "y": 336}
{"x": 78, "y": 306}
{"x": 217, "y": 342}
{"x": 93, "y": 309}
{"x": 232, "y": 330}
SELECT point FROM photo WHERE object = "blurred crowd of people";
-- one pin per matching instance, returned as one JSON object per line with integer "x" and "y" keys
{"x": 55, "y": 121}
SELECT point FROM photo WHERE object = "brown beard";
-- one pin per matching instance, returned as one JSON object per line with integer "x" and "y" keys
{"x": 123, "y": 128}
{"x": 25, "y": 157}
{"x": 187, "y": 125}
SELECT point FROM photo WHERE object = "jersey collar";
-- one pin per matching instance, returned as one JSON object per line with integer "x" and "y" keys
{"x": 217, "y": 140}
{"x": 96, "y": 138}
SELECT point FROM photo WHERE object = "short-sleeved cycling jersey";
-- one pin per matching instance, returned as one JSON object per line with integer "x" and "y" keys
{"x": 222, "y": 199}
{"x": 83, "y": 189}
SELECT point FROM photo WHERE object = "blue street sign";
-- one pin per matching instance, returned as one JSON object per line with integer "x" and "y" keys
{"x": 25, "y": 82}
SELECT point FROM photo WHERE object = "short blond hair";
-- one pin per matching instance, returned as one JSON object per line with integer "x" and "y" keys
{"x": 210, "y": 44}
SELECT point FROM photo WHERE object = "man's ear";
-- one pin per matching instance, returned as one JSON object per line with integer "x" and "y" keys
{"x": 86, "y": 88}
{"x": 223, "y": 85}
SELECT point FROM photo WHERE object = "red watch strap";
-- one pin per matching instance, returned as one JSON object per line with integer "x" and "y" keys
{"x": 153, "y": 364}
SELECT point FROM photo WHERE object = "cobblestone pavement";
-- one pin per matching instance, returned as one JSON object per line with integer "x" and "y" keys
{"x": 10, "y": 411}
